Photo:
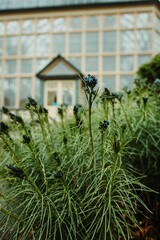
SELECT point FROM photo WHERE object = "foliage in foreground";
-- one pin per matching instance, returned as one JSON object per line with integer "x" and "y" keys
{"x": 75, "y": 179}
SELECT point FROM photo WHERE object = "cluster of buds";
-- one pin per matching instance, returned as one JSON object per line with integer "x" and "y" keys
{"x": 103, "y": 126}
{"x": 15, "y": 171}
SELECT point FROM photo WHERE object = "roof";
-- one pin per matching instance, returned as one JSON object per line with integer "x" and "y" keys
{"x": 19, "y": 5}
{"x": 59, "y": 69}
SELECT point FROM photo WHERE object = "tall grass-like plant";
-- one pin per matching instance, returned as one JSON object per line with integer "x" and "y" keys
{"x": 53, "y": 188}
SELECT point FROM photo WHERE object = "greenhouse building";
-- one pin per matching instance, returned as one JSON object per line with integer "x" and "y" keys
{"x": 48, "y": 46}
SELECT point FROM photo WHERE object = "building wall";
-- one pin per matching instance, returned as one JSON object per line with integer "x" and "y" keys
{"x": 107, "y": 42}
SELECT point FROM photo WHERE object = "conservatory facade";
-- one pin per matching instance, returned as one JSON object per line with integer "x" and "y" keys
{"x": 68, "y": 40}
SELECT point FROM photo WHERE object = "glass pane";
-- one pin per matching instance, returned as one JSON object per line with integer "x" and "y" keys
{"x": 144, "y": 20}
{"x": 109, "y": 21}
{"x": 59, "y": 43}
{"x": 143, "y": 59}
{"x": 126, "y": 80}
{"x": 25, "y": 90}
{"x": 127, "y": 21}
{"x": 43, "y": 25}
{"x": 75, "y": 42}
{"x": 59, "y": 25}
{"x": 0, "y": 68}
{"x": 109, "y": 82}
{"x": 12, "y": 45}
{"x": 157, "y": 23}
{"x": 40, "y": 64}
{"x": 9, "y": 92}
{"x": 27, "y": 45}
{"x": 144, "y": 40}
{"x": 157, "y": 42}
{"x": 109, "y": 41}
{"x": 42, "y": 45}
{"x": 127, "y": 43}
{"x": 91, "y": 64}
{"x": 1, "y": 46}
{"x": 76, "y": 61}
{"x": 126, "y": 63}
{"x": 0, "y": 89}
{"x": 67, "y": 97}
{"x": 28, "y": 26}
{"x": 92, "y": 45}
{"x": 26, "y": 66}
{"x": 76, "y": 23}
{"x": 92, "y": 22}
{"x": 1, "y": 28}
{"x": 13, "y": 27}
{"x": 52, "y": 98}
{"x": 39, "y": 91}
{"x": 109, "y": 64}
{"x": 11, "y": 67}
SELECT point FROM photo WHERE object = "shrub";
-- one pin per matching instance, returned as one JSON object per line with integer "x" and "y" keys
{"x": 74, "y": 179}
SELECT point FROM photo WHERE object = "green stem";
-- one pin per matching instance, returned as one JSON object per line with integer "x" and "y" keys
{"x": 126, "y": 117}
{"x": 90, "y": 127}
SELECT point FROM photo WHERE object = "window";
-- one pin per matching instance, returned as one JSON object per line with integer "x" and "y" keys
{"x": 92, "y": 45}
{"x": 41, "y": 63}
{"x": 59, "y": 43}
{"x": 127, "y": 21}
{"x": 1, "y": 46}
{"x": 76, "y": 61}
{"x": 126, "y": 63}
{"x": 27, "y": 45}
{"x": 91, "y": 64}
{"x": 26, "y": 66}
{"x": 1, "y": 28}
{"x": 109, "y": 63}
{"x": 76, "y": 23}
{"x": 28, "y": 26}
{"x": 42, "y": 45}
{"x": 92, "y": 22}
{"x": 43, "y": 25}
{"x": 109, "y": 41}
{"x": 144, "y": 20}
{"x": 144, "y": 40}
{"x": 13, "y": 27}
{"x": 127, "y": 41}
{"x": 67, "y": 97}
{"x": 0, "y": 69}
{"x": 25, "y": 90}
{"x": 109, "y": 21}
{"x": 109, "y": 82}
{"x": 143, "y": 59}
{"x": 126, "y": 80}
{"x": 75, "y": 42}
{"x": 11, "y": 67}
{"x": 9, "y": 92}
{"x": 59, "y": 25}
{"x": 52, "y": 98}
{"x": 12, "y": 45}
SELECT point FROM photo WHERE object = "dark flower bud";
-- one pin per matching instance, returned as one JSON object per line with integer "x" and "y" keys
{"x": 90, "y": 81}
{"x": 15, "y": 171}
{"x": 32, "y": 102}
{"x": 103, "y": 125}
{"x": 157, "y": 82}
{"x": 15, "y": 118}
{"x": 56, "y": 158}
{"x": 5, "y": 110}
{"x": 58, "y": 174}
{"x": 60, "y": 112}
{"x": 116, "y": 145}
{"x": 26, "y": 139}
{"x": 3, "y": 128}
{"x": 65, "y": 140}
{"x": 43, "y": 110}
{"x": 106, "y": 91}
{"x": 145, "y": 99}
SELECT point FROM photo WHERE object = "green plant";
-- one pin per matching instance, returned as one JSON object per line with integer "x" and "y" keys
{"x": 71, "y": 179}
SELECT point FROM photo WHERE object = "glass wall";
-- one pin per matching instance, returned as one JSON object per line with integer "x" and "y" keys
{"x": 110, "y": 46}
